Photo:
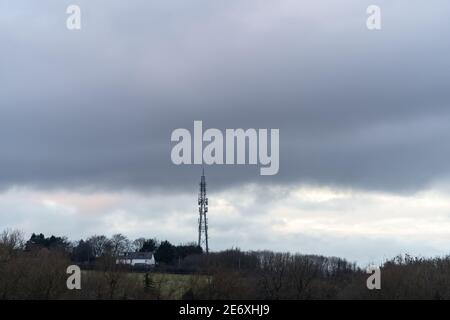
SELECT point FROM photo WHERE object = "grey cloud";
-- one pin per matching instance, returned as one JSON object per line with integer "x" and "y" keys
{"x": 95, "y": 109}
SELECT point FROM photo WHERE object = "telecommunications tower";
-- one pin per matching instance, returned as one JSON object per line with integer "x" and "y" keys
{"x": 202, "y": 220}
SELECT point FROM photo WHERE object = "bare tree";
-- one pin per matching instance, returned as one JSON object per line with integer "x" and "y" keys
{"x": 119, "y": 244}
{"x": 302, "y": 271}
{"x": 12, "y": 239}
{"x": 138, "y": 244}
{"x": 99, "y": 244}
{"x": 273, "y": 268}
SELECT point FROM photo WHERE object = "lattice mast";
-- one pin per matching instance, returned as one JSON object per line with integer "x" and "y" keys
{"x": 202, "y": 220}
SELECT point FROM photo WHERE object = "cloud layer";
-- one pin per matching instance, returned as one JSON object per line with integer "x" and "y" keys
{"x": 361, "y": 226}
{"x": 86, "y": 118}
{"x": 96, "y": 107}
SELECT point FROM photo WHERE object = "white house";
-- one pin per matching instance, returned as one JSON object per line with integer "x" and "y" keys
{"x": 137, "y": 259}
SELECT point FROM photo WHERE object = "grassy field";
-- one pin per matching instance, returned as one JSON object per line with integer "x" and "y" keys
{"x": 172, "y": 286}
{"x": 166, "y": 285}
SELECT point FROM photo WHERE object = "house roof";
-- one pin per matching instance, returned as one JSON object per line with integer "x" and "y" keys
{"x": 137, "y": 255}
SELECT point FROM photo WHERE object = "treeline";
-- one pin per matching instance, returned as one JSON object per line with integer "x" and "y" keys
{"x": 86, "y": 251}
{"x": 36, "y": 269}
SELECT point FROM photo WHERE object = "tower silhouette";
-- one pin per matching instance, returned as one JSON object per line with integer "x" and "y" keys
{"x": 203, "y": 209}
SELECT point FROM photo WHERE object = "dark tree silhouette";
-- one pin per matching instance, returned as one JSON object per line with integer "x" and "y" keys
{"x": 165, "y": 252}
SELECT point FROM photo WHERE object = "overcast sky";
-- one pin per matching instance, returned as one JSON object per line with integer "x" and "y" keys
{"x": 364, "y": 118}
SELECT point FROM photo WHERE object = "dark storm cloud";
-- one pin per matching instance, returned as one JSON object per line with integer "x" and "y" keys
{"x": 95, "y": 108}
